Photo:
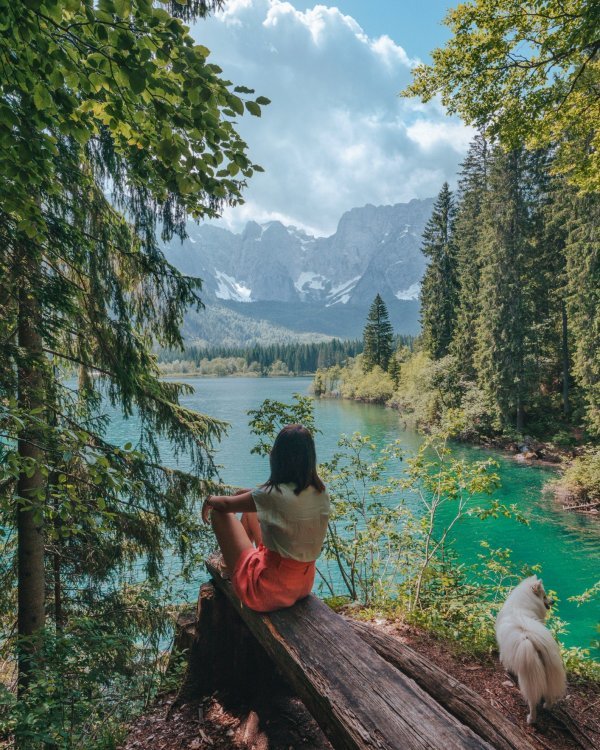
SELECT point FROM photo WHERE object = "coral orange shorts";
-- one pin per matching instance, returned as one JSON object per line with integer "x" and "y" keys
{"x": 264, "y": 580}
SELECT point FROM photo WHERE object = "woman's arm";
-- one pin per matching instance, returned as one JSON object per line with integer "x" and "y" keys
{"x": 228, "y": 504}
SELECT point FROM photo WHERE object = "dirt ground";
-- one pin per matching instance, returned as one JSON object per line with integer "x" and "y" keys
{"x": 283, "y": 723}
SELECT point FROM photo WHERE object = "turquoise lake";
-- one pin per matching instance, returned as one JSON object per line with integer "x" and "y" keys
{"x": 566, "y": 545}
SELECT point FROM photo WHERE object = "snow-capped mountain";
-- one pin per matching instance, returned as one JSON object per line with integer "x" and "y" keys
{"x": 375, "y": 249}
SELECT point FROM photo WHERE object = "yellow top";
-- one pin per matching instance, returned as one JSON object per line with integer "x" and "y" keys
{"x": 293, "y": 525}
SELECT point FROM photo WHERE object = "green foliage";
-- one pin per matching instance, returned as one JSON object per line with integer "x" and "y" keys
{"x": 473, "y": 185}
{"x": 439, "y": 289}
{"x": 525, "y": 74}
{"x": 378, "y": 336}
{"x": 368, "y": 539}
{"x": 583, "y": 299}
{"x": 581, "y": 480}
{"x": 390, "y": 537}
{"x": 78, "y": 71}
{"x": 271, "y": 416}
{"x": 113, "y": 125}
{"x": 297, "y": 358}
{"x": 505, "y": 319}
{"x": 97, "y": 673}
{"x": 460, "y": 603}
{"x": 354, "y": 381}
{"x": 384, "y": 547}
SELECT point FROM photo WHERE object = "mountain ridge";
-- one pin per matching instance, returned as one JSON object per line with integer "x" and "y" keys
{"x": 329, "y": 282}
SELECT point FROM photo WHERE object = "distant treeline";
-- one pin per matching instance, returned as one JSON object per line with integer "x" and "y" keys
{"x": 291, "y": 357}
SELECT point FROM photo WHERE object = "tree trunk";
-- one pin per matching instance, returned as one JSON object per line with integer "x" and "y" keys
{"x": 565, "y": 361}
{"x": 359, "y": 700}
{"x": 57, "y": 550}
{"x": 520, "y": 412}
{"x": 223, "y": 656}
{"x": 30, "y": 485}
{"x": 459, "y": 700}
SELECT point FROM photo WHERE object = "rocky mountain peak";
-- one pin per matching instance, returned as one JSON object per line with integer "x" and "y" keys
{"x": 375, "y": 249}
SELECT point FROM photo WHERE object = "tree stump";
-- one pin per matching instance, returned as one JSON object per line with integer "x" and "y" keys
{"x": 224, "y": 656}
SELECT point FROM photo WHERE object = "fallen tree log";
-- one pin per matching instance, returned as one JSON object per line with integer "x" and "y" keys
{"x": 462, "y": 702}
{"x": 360, "y": 700}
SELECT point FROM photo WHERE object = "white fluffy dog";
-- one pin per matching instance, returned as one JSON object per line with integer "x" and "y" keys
{"x": 527, "y": 649}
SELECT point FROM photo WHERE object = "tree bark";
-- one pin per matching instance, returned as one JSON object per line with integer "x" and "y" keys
{"x": 459, "y": 700}
{"x": 359, "y": 700}
{"x": 223, "y": 655}
{"x": 30, "y": 484}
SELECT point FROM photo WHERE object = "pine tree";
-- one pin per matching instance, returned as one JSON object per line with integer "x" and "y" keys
{"x": 583, "y": 300}
{"x": 504, "y": 322}
{"x": 439, "y": 291}
{"x": 378, "y": 336}
{"x": 551, "y": 207}
{"x": 473, "y": 187}
{"x": 394, "y": 369}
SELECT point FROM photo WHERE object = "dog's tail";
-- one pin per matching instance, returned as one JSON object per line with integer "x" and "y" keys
{"x": 531, "y": 672}
{"x": 541, "y": 671}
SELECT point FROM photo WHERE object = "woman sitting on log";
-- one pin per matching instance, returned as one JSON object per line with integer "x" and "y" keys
{"x": 286, "y": 518}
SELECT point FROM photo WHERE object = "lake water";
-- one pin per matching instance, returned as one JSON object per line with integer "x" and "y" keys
{"x": 566, "y": 545}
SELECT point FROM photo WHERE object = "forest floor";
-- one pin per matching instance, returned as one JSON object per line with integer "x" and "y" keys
{"x": 283, "y": 723}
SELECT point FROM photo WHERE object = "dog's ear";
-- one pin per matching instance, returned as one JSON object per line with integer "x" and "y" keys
{"x": 538, "y": 587}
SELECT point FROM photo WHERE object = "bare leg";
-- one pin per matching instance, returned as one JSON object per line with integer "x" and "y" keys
{"x": 252, "y": 526}
{"x": 231, "y": 536}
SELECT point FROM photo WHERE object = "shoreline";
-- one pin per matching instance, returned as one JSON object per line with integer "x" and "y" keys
{"x": 527, "y": 452}
{"x": 170, "y": 375}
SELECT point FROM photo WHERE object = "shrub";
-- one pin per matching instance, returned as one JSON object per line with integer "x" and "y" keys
{"x": 581, "y": 480}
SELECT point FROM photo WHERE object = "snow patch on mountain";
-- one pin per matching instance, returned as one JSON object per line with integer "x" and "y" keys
{"x": 310, "y": 281}
{"x": 231, "y": 289}
{"x": 340, "y": 294}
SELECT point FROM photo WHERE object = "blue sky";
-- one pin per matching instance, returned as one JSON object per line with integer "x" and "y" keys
{"x": 336, "y": 135}
{"x": 416, "y": 24}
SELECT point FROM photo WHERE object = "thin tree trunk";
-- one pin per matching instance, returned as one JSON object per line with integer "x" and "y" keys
{"x": 58, "y": 609}
{"x": 30, "y": 486}
{"x": 57, "y": 565}
{"x": 520, "y": 411}
{"x": 565, "y": 361}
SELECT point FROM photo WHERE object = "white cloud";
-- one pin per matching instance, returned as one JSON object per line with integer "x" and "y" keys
{"x": 429, "y": 135}
{"x": 336, "y": 134}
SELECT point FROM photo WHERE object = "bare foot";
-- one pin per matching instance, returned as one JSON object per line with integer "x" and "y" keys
{"x": 217, "y": 561}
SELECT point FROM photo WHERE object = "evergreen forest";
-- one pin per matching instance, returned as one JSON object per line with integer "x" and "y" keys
{"x": 510, "y": 333}
{"x": 259, "y": 359}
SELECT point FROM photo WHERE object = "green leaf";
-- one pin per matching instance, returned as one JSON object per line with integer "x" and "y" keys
{"x": 122, "y": 8}
{"x": 236, "y": 104}
{"x": 253, "y": 108}
{"x": 137, "y": 80}
{"x": 201, "y": 51}
{"x": 41, "y": 97}
{"x": 186, "y": 184}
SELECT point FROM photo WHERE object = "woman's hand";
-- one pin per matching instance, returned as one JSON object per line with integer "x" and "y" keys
{"x": 239, "y": 503}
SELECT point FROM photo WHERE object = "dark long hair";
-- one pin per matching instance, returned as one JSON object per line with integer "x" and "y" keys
{"x": 293, "y": 460}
